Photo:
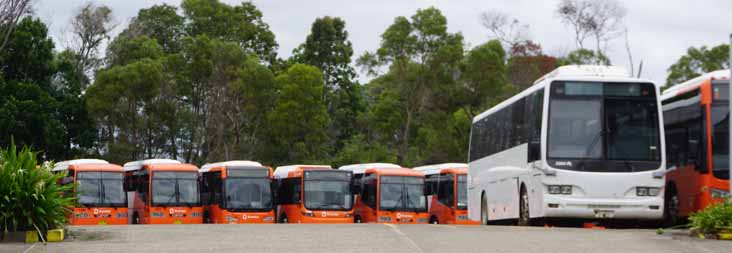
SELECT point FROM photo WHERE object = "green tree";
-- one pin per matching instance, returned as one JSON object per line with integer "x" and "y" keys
{"x": 584, "y": 57}
{"x": 40, "y": 95}
{"x": 696, "y": 62}
{"x": 241, "y": 24}
{"x": 328, "y": 48}
{"x": 422, "y": 58}
{"x": 160, "y": 22}
{"x": 297, "y": 125}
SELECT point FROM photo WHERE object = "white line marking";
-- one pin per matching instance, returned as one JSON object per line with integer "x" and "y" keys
{"x": 29, "y": 248}
{"x": 399, "y": 232}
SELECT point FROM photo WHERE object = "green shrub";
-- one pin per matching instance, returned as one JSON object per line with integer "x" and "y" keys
{"x": 713, "y": 218}
{"x": 30, "y": 199}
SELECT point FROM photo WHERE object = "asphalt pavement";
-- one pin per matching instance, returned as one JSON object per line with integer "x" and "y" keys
{"x": 366, "y": 238}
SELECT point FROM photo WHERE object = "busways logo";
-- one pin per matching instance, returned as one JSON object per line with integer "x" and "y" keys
{"x": 403, "y": 216}
{"x": 563, "y": 163}
{"x": 327, "y": 214}
{"x": 177, "y": 212}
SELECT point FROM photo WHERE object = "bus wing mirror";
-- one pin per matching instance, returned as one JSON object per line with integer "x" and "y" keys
{"x": 661, "y": 173}
{"x": 534, "y": 150}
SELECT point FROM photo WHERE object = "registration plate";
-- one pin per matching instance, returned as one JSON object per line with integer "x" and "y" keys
{"x": 177, "y": 222}
{"x": 604, "y": 214}
{"x": 101, "y": 222}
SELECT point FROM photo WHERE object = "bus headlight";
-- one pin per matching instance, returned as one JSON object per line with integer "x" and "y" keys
{"x": 384, "y": 218}
{"x": 268, "y": 218}
{"x": 560, "y": 189}
{"x": 348, "y": 215}
{"x": 157, "y": 214}
{"x": 647, "y": 191}
{"x": 122, "y": 215}
{"x": 718, "y": 193}
{"x": 195, "y": 214}
{"x": 308, "y": 214}
{"x": 422, "y": 220}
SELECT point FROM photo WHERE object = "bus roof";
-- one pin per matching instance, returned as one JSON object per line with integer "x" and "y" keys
{"x": 395, "y": 172}
{"x": 284, "y": 171}
{"x": 437, "y": 168}
{"x": 590, "y": 73}
{"x": 209, "y": 166}
{"x": 694, "y": 83}
{"x": 362, "y": 167}
{"x": 64, "y": 165}
{"x": 137, "y": 165}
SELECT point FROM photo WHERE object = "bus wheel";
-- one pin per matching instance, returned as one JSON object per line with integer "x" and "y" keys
{"x": 524, "y": 218}
{"x": 135, "y": 219}
{"x": 483, "y": 210}
{"x": 206, "y": 218}
{"x": 357, "y": 219}
{"x": 434, "y": 220}
{"x": 284, "y": 219}
{"x": 671, "y": 208}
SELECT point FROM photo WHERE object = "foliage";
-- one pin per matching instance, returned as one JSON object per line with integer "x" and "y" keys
{"x": 712, "y": 219}
{"x": 328, "y": 48}
{"x": 585, "y": 57}
{"x": 698, "y": 61}
{"x": 40, "y": 95}
{"x": 297, "y": 129}
{"x": 31, "y": 199}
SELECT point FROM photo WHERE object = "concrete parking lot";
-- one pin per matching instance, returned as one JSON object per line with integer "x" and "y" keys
{"x": 366, "y": 238}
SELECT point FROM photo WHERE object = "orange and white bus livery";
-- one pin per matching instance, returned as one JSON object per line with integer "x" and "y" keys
{"x": 163, "y": 191}
{"x": 237, "y": 192}
{"x": 447, "y": 193}
{"x": 100, "y": 197}
{"x": 313, "y": 194}
{"x": 388, "y": 193}
{"x": 696, "y": 115}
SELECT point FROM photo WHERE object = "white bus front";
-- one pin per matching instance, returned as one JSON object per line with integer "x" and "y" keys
{"x": 603, "y": 152}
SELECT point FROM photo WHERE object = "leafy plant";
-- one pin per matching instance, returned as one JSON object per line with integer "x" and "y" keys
{"x": 31, "y": 198}
{"x": 714, "y": 218}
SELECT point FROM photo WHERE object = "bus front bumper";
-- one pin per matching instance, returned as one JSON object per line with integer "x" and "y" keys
{"x": 556, "y": 206}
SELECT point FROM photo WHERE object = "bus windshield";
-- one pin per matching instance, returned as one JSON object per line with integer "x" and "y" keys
{"x": 462, "y": 192}
{"x": 603, "y": 121}
{"x": 245, "y": 194}
{"x": 100, "y": 189}
{"x": 328, "y": 190}
{"x": 402, "y": 193}
{"x": 720, "y": 130}
{"x": 173, "y": 188}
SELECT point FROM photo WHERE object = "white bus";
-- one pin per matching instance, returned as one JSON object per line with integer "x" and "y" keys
{"x": 583, "y": 142}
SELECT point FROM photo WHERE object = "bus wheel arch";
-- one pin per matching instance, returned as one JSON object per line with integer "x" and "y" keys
{"x": 524, "y": 215}
{"x": 135, "y": 218}
{"x": 483, "y": 209}
{"x": 434, "y": 220}
{"x": 671, "y": 205}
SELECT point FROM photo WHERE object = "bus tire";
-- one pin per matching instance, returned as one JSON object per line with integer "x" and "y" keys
{"x": 284, "y": 219}
{"x": 357, "y": 219}
{"x": 483, "y": 210}
{"x": 524, "y": 216}
{"x": 434, "y": 220}
{"x": 206, "y": 218}
{"x": 671, "y": 206}
{"x": 135, "y": 218}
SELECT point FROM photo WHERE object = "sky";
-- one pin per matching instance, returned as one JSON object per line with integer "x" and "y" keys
{"x": 659, "y": 31}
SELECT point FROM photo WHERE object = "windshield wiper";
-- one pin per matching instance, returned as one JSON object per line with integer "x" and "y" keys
{"x": 581, "y": 164}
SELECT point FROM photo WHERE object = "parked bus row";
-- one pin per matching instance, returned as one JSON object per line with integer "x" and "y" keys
{"x": 584, "y": 142}
{"x": 592, "y": 143}
{"x": 163, "y": 191}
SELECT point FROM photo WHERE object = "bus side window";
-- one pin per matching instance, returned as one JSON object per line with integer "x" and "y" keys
{"x": 289, "y": 191}
{"x": 431, "y": 184}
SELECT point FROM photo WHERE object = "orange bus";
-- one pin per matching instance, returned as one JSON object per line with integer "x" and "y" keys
{"x": 447, "y": 191}
{"x": 696, "y": 117}
{"x": 163, "y": 191}
{"x": 237, "y": 192}
{"x": 313, "y": 194}
{"x": 388, "y": 193}
{"x": 100, "y": 196}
